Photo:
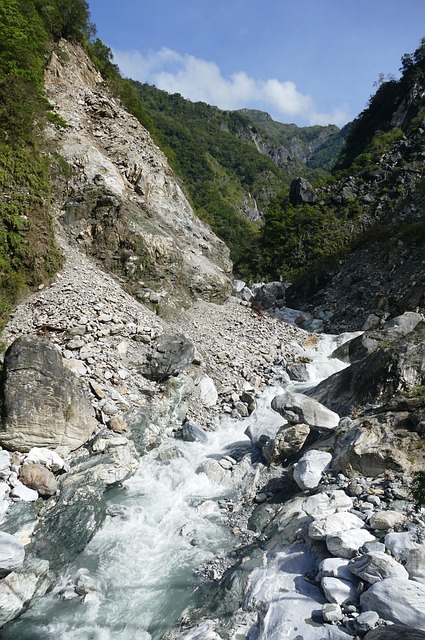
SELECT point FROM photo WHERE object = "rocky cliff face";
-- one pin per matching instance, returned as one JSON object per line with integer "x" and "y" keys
{"x": 122, "y": 204}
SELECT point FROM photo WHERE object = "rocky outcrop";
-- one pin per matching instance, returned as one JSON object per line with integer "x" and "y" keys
{"x": 390, "y": 370}
{"x": 122, "y": 203}
{"x": 42, "y": 405}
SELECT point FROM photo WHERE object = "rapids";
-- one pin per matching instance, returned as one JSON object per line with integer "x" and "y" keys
{"x": 168, "y": 522}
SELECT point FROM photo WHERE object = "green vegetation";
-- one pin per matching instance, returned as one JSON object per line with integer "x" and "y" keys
{"x": 295, "y": 240}
{"x": 320, "y": 145}
{"x": 28, "y": 254}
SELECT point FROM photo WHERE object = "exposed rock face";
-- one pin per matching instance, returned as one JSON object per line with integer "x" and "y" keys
{"x": 123, "y": 204}
{"x": 301, "y": 192}
{"x": 385, "y": 372}
{"x": 42, "y": 404}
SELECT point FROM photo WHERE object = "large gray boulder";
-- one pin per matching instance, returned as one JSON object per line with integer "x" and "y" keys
{"x": 395, "y": 632}
{"x": 399, "y": 601}
{"x": 43, "y": 406}
{"x": 375, "y": 566}
{"x": 172, "y": 353}
{"x": 298, "y": 408}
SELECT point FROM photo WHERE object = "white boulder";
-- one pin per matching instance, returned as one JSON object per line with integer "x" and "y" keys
{"x": 308, "y": 471}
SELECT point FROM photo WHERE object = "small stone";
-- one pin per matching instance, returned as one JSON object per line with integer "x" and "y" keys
{"x": 331, "y": 612}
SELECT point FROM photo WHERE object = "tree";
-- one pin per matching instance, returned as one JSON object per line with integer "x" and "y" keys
{"x": 68, "y": 19}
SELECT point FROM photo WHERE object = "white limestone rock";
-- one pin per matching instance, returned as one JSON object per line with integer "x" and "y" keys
{"x": 46, "y": 457}
{"x": 399, "y": 601}
{"x": 320, "y": 528}
{"x": 327, "y": 502}
{"x": 208, "y": 392}
{"x": 339, "y": 591}
{"x": 21, "y": 492}
{"x": 346, "y": 543}
{"x": 309, "y": 469}
{"x": 12, "y": 554}
{"x": 335, "y": 568}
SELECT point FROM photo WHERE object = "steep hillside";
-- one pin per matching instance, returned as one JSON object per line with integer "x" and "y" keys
{"x": 358, "y": 238}
{"x": 121, "y": 202}
{"x": 233, "y": 163}
{"x": 290, "y": 146}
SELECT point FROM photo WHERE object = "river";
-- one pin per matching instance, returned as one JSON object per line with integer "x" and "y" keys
{"x": 168, "y": 521}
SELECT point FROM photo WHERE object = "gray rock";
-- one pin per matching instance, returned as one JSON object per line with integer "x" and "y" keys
{"x": 299, "y": 408}
{"x": 335, "y": 568}
{"x": 367, "y": 380}
{"x": 399, "y": 601}
{"x": 373, "y": 567}
{"x": 346, "y": 543}
{"x": 404, "y": 324}
{"x": 395, "y": 632}
{"x": 173, "y": 353}
{"x": 19, "y": 587}
{"x": 308, "y": 471}
{"x": 12, "y": 554}
{"x": 301, "y": 192}
{"x": 42, "y": 404}
{"x": 191, "y": 432}
{"x": 408, "y": 547}
{"x": 21, "y": 492}
{"x": 365, "y": 622}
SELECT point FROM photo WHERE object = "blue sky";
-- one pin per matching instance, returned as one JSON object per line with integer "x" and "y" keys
{"x": 303, "y": 61}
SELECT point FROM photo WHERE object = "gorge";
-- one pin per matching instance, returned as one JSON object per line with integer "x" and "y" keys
{"x": 192, "y": 493}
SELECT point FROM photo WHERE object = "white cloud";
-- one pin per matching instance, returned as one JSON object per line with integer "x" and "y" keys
{"x": 201, "y": 80}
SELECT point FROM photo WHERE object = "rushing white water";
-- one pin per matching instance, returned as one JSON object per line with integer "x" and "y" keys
{"x": 144, "y": 560}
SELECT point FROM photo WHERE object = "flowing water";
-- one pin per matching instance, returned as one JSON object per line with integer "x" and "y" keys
{"x": 144, "y": 559}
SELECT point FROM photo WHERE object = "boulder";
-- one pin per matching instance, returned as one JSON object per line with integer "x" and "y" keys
{"x": 301, "y": 192}
{"x": 46, "y": 457}
{"x": 191, "y": 432}
{"x": 298, "y": 408}
{"x": 208, "y": 392}
{"x": 347, "y": 543}
{"x": 38, "y": 477}
{"x": 308, "y": 471}
{"x": 339, "y": 591}
{"x": 172, "y": 353}
{"x": 408, "y": 547}
{"x": 327, "y": 502}
{"x": 373, "y": 567}
{"x": 334, "y": 523}
{"x": 270, "y": 295}
{"x": 395, "y": 632}
{"x": 335, "y": 568}
{"x": 43, "y": 405}
{"x": 12, "y": 554}
{"x": 288, "y": 440}
{"x": 403, "y": 324}
{"x": 398, "y": 601}
{"x": 384, "y": 520}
